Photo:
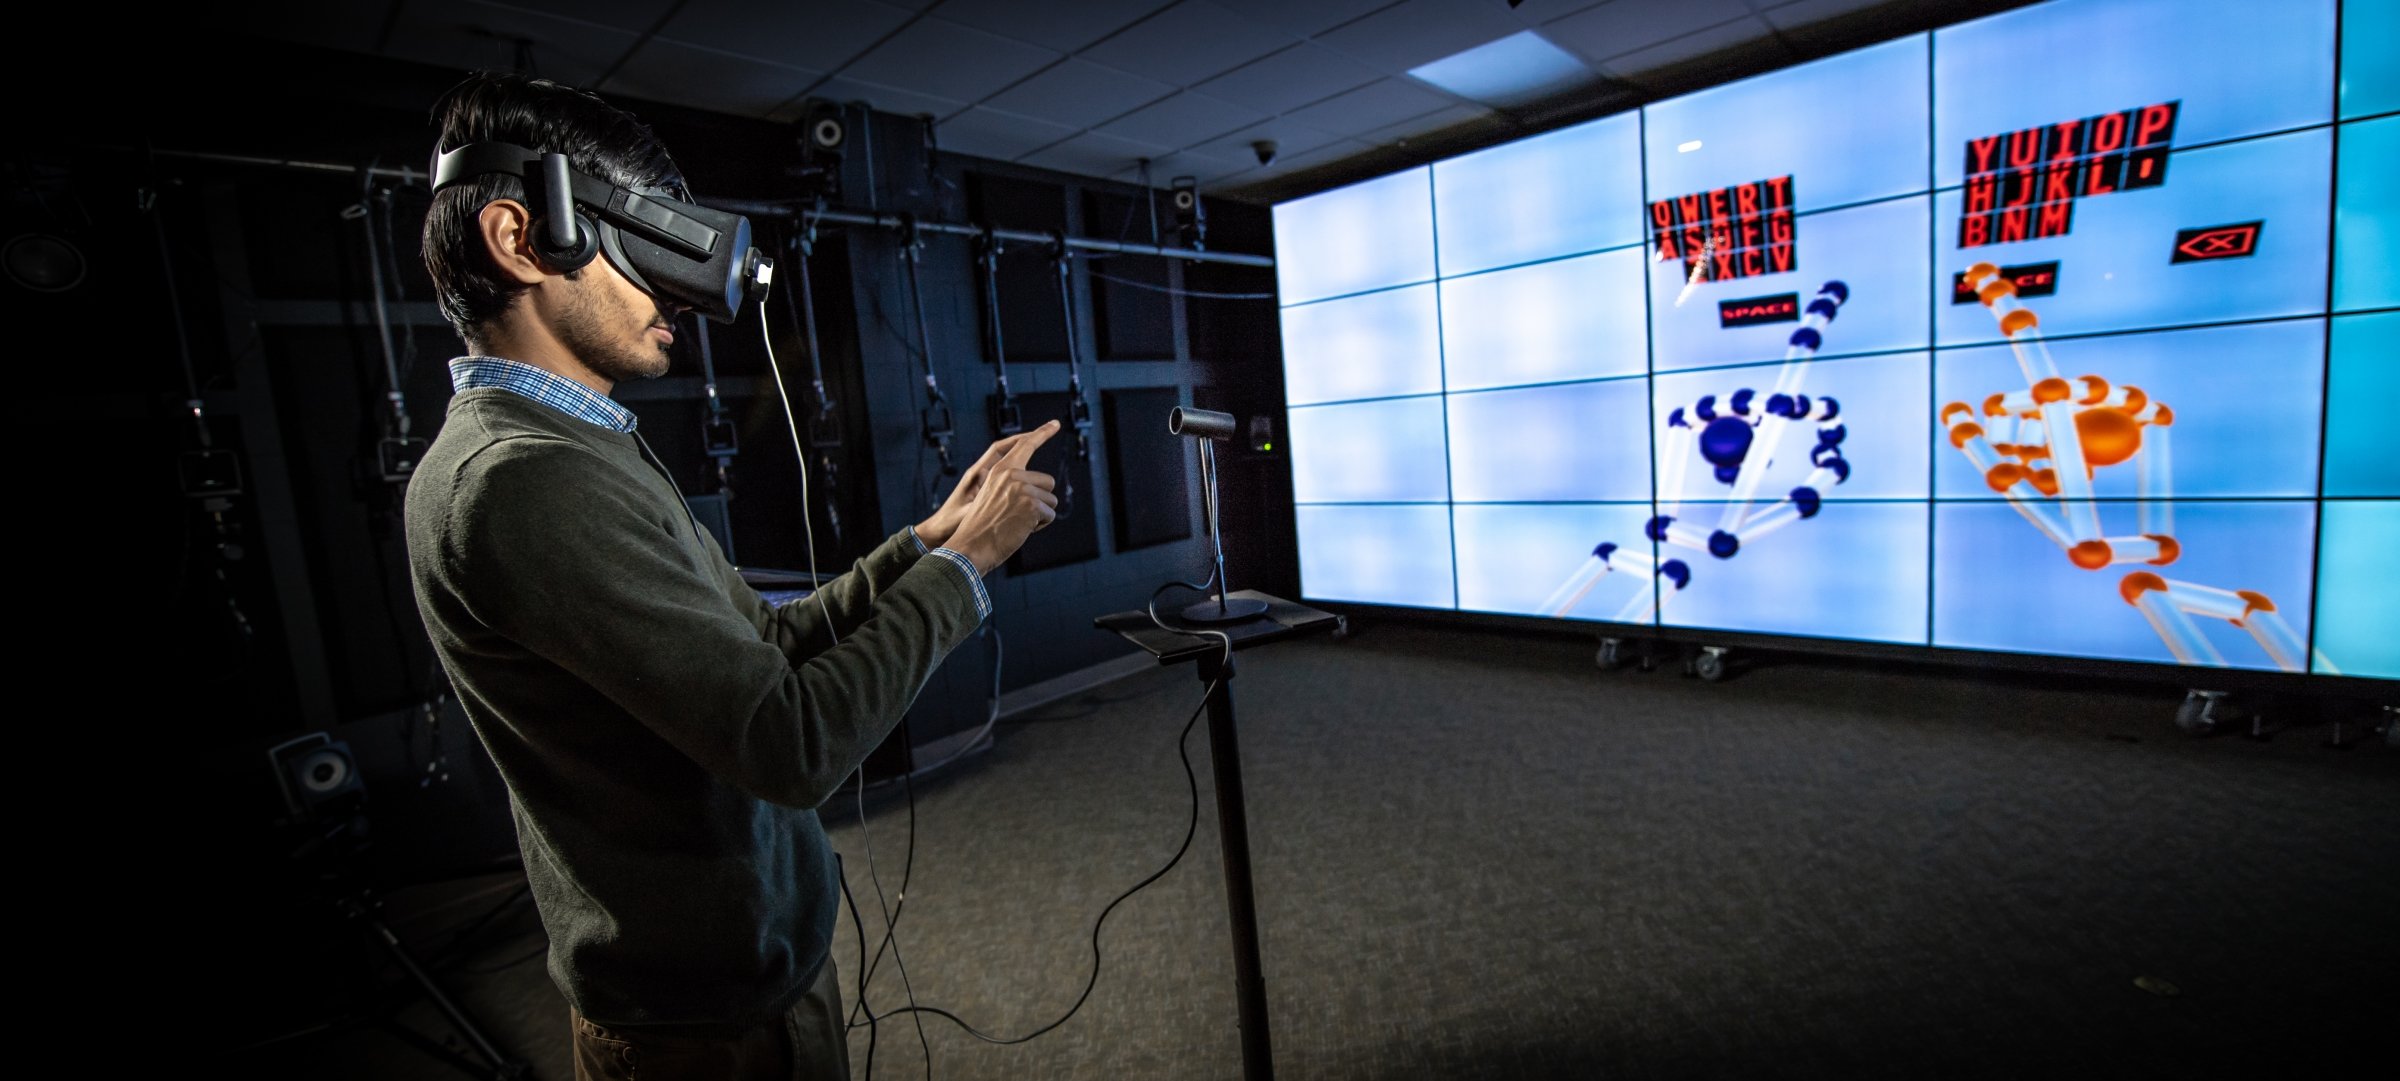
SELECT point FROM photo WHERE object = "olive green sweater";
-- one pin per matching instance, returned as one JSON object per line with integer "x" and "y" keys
{"x": 664, "y": 733}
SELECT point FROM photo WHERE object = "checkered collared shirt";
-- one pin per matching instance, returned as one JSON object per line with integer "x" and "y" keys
{"x": 558, "y": 392}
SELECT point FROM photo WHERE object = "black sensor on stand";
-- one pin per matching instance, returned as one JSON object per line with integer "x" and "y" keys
{"x": 1209, "y": 426}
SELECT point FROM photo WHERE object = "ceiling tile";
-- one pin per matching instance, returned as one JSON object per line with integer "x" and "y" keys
{"x": 887, "y": 99}
{"x": 1289, "y": 79}
{"x": 1750, "y": 35}
{"x": 1204, "y": 168}
{"x": 1534, "y": 13}
{"x": 352, "y": 27}
{"x": 452, "y": 34}
{"x": 947, "y": 60}
{"x": 1188, "y": 43}
{"x": 989, "y": 133}
{"x": 1414, "y": 32}
{"x": 1622, "y": 26}
{"x": 820, "y": 37}
{"x": 1370, "y": 107}
{"x": 1290, "y": 138}
{"x": 1079, "y": 93}
{"x": 1796, "y": 15}
{"x": 1438, "y": 120}
{"x": 1093, "y": 154}
{"x": 635, "y": 15}
{"x": 1308, "y": 18}
{"x": 1064, "y": 25}
{"x": 681, "y": 74}
{"x": 1312, "y": 158}
{"x": 1187, "y": 118}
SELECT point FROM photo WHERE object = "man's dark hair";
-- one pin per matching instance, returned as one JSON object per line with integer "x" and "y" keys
{"x": 599, "y": 140}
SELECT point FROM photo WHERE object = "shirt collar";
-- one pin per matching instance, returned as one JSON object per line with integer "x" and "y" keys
{"x": 560, "y": 393}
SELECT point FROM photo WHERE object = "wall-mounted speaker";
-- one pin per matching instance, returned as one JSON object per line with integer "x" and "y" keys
{"x": 317, "y": 774}
{"x": 1191, "y": 219}
{"x": 824, "y": 133}
{"x": 823, "y": 129}
{"x": 43, "y": 263}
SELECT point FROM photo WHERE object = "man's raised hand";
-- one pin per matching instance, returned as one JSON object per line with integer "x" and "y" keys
{"x": 936, "y": 531}
{"x": 1009, "y": 502}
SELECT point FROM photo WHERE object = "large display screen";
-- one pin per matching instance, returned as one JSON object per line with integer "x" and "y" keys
{"x": 2073, "y": 330}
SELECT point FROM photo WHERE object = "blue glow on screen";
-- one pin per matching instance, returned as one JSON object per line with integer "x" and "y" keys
{"x": 2239, "y": 67}
{"x": 1998, "y": 584}
{"x": 1571, "y": 191}
{"x": 1369, "y": 452}
{"x": 2366, "y": 240}
{"x": 2370, "y": 57}
{"x": 1366, "y": 236}
{"x": 1878, "y": 251}
{"x": 1882, "y": 415}
{"x": 1511, "y": 558}
{"x": 2244, "y": 401}
{"x": 1493, "y": 403}
{"x": 2358, "y": 598}
{"x": 1846, "y": 129}
{"x": 1376, "y": 555}
{"x": 1374, "y": 345}
{"x": 2360, "y": 458}
{"x": 1546, "y": 323}
{"x": 1856, "y": 570}
{"x": 2116, "y": 271}
{"x": 1571, "y": 442}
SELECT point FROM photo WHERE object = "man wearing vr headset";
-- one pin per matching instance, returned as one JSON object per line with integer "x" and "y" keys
{"x": 664, "y": 733}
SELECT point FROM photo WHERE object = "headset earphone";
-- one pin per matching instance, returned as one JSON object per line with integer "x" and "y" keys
{"x": 564, "y": 237}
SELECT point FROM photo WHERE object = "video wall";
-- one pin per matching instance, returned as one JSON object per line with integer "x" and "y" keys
{"x": 2072, "y": 330}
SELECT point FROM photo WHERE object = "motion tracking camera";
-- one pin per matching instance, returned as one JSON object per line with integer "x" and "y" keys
{"x": 1265, "y": 149}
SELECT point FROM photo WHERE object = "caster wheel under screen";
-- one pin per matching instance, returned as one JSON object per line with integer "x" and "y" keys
{"x": 1710, "y": 664}
{"x": 2202, "y": 712}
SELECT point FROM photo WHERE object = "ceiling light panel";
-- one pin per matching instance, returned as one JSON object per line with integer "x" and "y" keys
{"x": 1514, "y": 70}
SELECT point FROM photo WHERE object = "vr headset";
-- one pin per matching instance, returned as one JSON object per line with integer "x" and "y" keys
{"x": 668, "y": 248}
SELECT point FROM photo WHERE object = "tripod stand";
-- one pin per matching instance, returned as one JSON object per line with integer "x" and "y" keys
{"x": 333, "y": 847}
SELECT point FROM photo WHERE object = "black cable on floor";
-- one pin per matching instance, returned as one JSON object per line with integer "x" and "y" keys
{"x": 1191, "y": 826}
{"x": 891, "y": 913}
{"x": 861, "y": 929}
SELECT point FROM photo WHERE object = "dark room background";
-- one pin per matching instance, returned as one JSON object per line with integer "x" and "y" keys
{"x": 258, "y": 546}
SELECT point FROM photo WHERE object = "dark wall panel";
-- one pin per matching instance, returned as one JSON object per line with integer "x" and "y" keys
{"x": 1148, "y": 487}
{"x": 1132, "y": 314}
{"x": 1030, "y": 323}
{"x": 1074, "y": 537}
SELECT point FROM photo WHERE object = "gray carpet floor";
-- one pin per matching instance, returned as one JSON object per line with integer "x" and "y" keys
{"x": 1478, "y": 856}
